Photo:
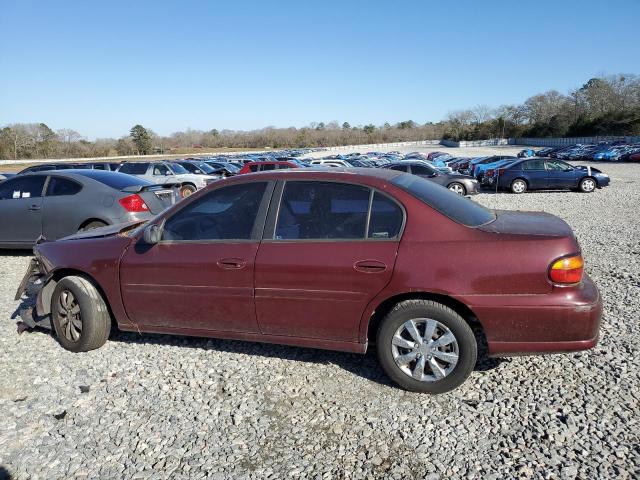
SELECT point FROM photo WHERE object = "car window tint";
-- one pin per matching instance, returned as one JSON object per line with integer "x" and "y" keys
{"x": 322, "y": 210}
{"x": 533, "y": 165}
{"x": 160, "y": 170}
{"x": 227, "y": 213}
{"x": 189, "y": 167}
{"x": 253, "y": 168}
{"x": 134, "y": 168}
{"x": 27, "y": 187}
{"x": 400, "y": 168}
{"x": 386, "y": 217}
{"x": 283, "y": 166}
{"x": 62, "y": 186}
{"x": 456, "y": 207}
{"x": 422, "y": 170}
{"x": 267, "y": 166}
{"x": 557, "y": 165}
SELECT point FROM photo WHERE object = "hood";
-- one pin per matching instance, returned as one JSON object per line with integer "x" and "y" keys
{"x": 106, "y": 231}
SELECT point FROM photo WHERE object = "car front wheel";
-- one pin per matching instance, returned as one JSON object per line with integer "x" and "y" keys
{"x": 187, "y": 190}
{"x": 426, "y": 347}
{"x": 587, "y": 185}
{"x": 80, "y": 315}
{"x": 458, "y": 188}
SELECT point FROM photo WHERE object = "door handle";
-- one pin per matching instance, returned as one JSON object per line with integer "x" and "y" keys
{"x": 370, "y": 266}
{"x": 34, "y": 208}
{"x": 232, "y": 263}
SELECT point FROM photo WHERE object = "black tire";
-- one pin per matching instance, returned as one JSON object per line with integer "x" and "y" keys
{"x": 186, "y": 190}
{"x": 458, "y": 188}
{"x": 519, "y": 185}
{"x": 404, "y": 311}
{"x": 92, "y": 225}
{"x": 588, "y": 185}
{"x": 94, "y": 318}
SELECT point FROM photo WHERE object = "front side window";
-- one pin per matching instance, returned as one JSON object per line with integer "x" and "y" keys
{"x": 400, "y": 168}
{"x": 557, "y": 165}
{"x": 61, "y": 186}
{"x": 267, "y": 166}
{"x": 26, "y": 187}
{"x": 161, "y": 170}
{"x": 227, "y": 213}
{"x": 322, "y": 210}
{"x": 422, "y": 170}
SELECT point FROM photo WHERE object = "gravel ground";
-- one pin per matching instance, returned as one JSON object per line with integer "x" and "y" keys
{"x": 155, "y": 406}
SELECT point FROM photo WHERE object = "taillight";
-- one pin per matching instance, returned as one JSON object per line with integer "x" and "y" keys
{"x": 134, "y": 203}
{"x": 501, "y": 171}
{"x": 489, "y": 172}
{"x": 567, "y": 270}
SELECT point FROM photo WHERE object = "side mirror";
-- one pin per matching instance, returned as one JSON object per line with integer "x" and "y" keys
{"x": 434, "y": 174}
{"x": 151, "y": 234}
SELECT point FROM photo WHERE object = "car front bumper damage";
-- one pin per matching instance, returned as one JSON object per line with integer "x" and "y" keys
{"x": 35, "y": 282}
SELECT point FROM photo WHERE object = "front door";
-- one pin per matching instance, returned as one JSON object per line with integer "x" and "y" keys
{"x": 322, "y": 264}
{"x": 200, "y": 275}
{"x": 21, "y": 210}
{"x": 561, "y": 174}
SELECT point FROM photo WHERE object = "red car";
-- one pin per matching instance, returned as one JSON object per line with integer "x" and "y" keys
{"x": 336, "y": 259}
{"x": 251, "y": 167}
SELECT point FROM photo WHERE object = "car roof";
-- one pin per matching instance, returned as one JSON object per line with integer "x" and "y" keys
{"x": 336, "y": 173}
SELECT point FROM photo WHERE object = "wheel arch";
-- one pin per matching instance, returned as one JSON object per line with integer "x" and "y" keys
{"x": 59, "y": 274}
{"x": 92, "y": 219}
{"x": 387, "y": 305}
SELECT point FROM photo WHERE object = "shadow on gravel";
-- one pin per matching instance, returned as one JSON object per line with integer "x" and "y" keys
{"x": 4, "y": 473}
{"x": 365, "y": 366}
{"x": 17, "y": 253}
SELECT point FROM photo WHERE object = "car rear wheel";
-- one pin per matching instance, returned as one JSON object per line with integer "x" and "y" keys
{"x": 458, "y": 188}
{"x": 92, "y": 225}
{"x": 587, "y": 185}
{"x": 80, "y": 315}
{"x": 518, "y": 186}
{"x": 426, "y": 347}
{"x": 187, "y": 190}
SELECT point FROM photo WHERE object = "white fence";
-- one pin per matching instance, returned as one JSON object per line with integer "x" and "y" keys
{"x": 566, "y": 141}
{"x": 373, "y": 146}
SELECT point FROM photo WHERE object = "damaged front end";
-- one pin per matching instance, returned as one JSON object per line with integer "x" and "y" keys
{"x": 36, "y": 281}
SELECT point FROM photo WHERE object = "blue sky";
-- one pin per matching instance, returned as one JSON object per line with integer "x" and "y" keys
{"x": 101, "y": 67}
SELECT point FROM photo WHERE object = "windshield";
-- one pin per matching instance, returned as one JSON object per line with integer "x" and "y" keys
{"x": 116, "y": 180}
{"x": 204, "y": 167}
{"x": 457, "y": 208}
{"x": 178, "y": 169}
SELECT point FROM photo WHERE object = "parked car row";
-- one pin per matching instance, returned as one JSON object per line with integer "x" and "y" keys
{"x": 604, "y": 151}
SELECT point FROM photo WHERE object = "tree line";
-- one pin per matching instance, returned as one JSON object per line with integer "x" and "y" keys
{"x": 606, "y": 105}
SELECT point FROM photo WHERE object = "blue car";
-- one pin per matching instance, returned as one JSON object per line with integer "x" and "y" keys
{"x": 549, "y": 174}
{"x": 483, "y": 170}
{"x": 527, "y": 152}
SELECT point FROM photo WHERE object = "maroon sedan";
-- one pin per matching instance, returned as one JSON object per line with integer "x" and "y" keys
{"x": 330, "y": 259}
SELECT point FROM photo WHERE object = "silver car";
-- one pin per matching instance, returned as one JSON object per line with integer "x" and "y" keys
{"x": 160, "y": 172}
{"x": 58, "y": 203}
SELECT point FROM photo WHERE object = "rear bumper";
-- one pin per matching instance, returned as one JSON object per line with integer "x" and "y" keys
{"x": 565, "y": 320}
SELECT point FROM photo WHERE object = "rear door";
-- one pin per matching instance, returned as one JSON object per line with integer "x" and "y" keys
{"x": 561, "y": 174}
{"x": 536, "y": 174}
{"x": 21, "y": 209}
{"x": 200, "y": 275}
{"x": 59, "y": 217}
{"x": 324, "y": 258}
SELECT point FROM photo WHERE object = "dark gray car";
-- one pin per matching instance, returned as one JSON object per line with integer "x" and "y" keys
{"x": 58, "y": 203}
{"x": 456, "y": 182}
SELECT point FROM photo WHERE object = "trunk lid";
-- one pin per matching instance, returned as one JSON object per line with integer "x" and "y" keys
{"x": 528, "y": 223}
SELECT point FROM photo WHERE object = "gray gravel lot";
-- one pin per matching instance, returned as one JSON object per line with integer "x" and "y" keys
{"x": 155, "y": 406}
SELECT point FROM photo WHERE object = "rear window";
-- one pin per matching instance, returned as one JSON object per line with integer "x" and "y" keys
{"x": 116, "y": 180}
{"x": 457, "y": 208}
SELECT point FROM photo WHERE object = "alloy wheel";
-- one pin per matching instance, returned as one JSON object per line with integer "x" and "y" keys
{"x": 588, "y": 185}
{"x": 425, "y": 349}
{"x": 457, "y": 188}
{"x": 519, "y": 186}
{"x": 70, "y": 316}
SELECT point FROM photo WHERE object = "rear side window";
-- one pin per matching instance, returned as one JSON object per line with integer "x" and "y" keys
{"x": 422, "y": 170}
{"x": 386, "y": 217}
{"x": 283, "y": 166}
{"x": 62, "y": 186}
{"x": 227, "y": 213}
{"x": 533, "y": 165}
{"x": 134, "y": 168}
{"x": 26, "y": 187}
{"x": 267, "y": 166}
{"x": 459, "y": 209}
{"x": 322, "y": 210}
{"x": 253, "y": 168}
